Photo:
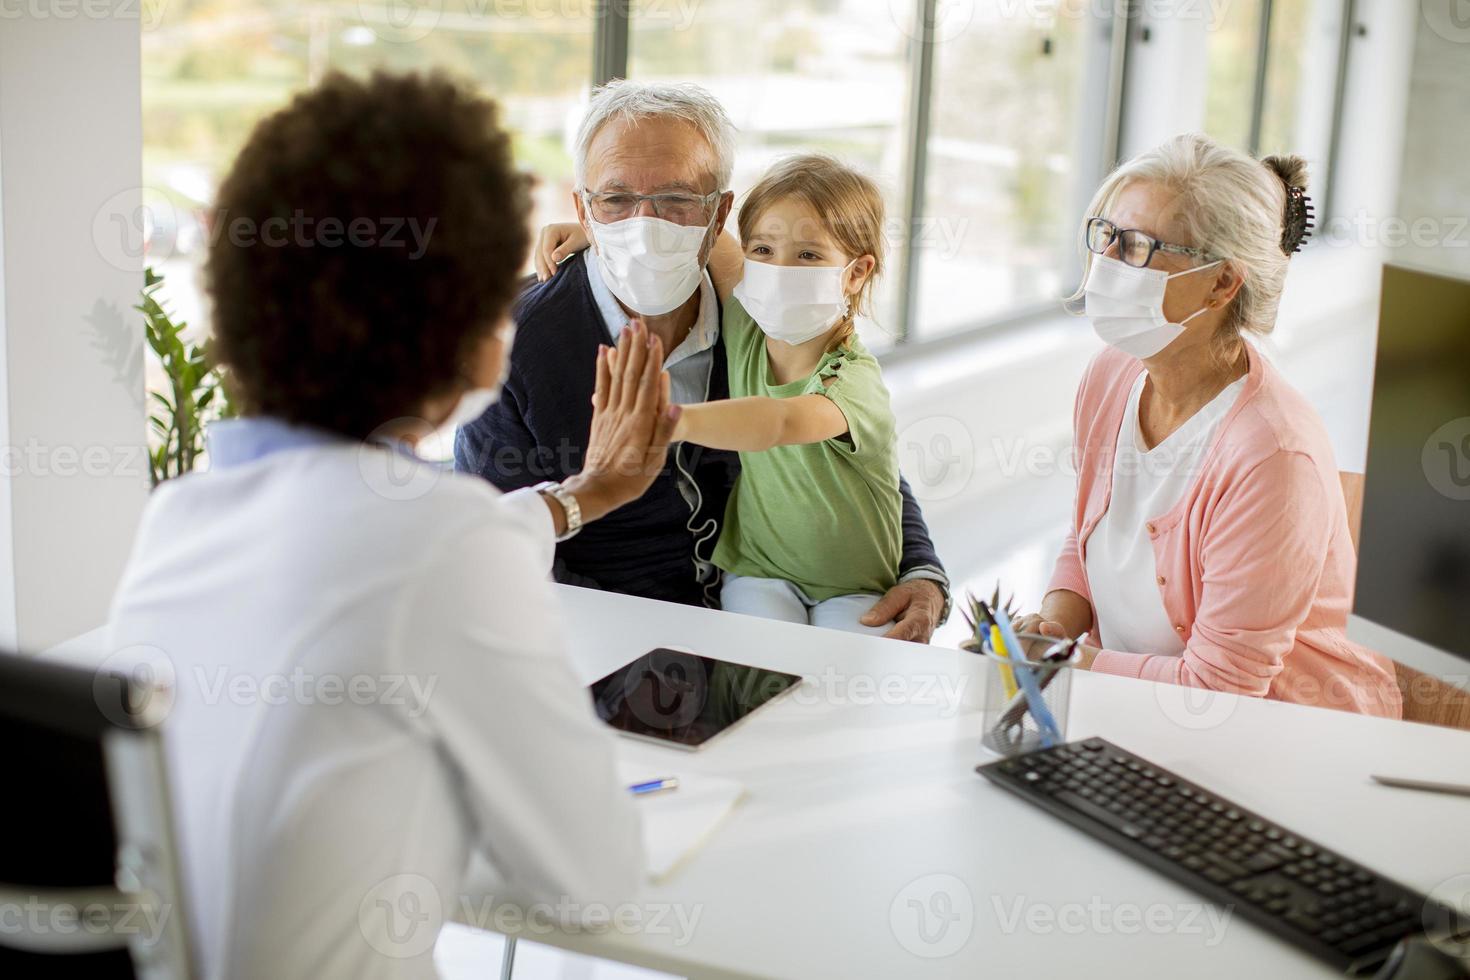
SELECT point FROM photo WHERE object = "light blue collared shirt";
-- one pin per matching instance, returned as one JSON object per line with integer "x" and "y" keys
{"x": 235, "y": 442}
{"x": 690, "y": 363}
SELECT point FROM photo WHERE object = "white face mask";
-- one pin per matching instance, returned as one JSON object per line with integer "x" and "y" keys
{"x": 793, "y": 303}
{"x": 652, "y": 265}
{"x": 1126, "y": 305}
{"x": 475, "y": 402}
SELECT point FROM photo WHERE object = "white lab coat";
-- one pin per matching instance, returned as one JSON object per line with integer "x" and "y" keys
{"x": 371, "y": 688}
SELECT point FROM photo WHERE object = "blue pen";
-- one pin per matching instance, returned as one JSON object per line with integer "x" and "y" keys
{"x": 1050, "y": 733}
{"x": 655, "y": 786}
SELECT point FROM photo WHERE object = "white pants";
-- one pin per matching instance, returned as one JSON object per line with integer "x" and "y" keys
{"x": 777, "y": 599}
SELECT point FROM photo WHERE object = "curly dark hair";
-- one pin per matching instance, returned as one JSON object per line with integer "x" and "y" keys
{"x": 368, "y": 238}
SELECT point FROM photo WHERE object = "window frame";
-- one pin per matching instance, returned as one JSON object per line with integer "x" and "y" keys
{"x": 610, "y": 47}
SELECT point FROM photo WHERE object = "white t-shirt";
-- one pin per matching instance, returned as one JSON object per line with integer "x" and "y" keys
{"x": 371, "y": 689}
{"x": 1127, "y": 598}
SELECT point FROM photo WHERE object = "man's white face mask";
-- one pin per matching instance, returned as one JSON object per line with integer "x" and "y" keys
{"x": 650, "y": 264}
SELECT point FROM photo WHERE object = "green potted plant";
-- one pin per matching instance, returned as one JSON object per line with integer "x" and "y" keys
{"x": 194, "y": 392}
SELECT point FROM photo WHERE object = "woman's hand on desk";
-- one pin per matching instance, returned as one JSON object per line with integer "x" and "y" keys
{"x": 632, "y": 422}
{"x": 1035, "y": 624}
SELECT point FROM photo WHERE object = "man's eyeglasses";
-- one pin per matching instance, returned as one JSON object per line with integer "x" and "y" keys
{"x": 1136, "y": 248}
{"x": 682, "y": 209}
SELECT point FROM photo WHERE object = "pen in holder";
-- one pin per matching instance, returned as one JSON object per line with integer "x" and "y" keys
{"x": 1026, "y": 700}
{"x": 1014, "y": 722}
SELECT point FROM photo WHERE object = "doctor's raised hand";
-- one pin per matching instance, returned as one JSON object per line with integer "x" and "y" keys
{"x": 632, "y": 421}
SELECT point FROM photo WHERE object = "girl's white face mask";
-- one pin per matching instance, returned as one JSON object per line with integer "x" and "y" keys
{"x": 794, "y": 303}
{"x": 652, "y": 265}
{"x": 1126, "y": 305}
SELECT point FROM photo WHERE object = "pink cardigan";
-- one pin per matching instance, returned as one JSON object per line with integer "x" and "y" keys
{"x": 1256, "y": 565}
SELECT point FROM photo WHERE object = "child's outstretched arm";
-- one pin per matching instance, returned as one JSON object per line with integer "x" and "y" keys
{"x": 751, "y": 425}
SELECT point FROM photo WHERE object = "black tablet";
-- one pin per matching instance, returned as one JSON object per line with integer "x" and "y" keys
{"x": 682, "y": 699}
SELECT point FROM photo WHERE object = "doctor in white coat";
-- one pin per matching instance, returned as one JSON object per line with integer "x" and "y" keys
{"x": 370, "y": 683}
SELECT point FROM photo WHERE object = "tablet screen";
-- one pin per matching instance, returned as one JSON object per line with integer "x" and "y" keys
{"x": 682, "y": 698}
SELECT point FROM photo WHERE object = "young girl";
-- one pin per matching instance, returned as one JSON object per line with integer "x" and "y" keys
{"x": 812, "y": 531}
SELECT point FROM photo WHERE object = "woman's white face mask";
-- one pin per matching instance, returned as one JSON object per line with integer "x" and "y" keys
{"x": 1126, "y": 305}
{"x": 650, "y": 264}
{"x": 794, "y": 303}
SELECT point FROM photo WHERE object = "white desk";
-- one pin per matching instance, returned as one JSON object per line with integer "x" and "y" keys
{"x": 851, "y": 801}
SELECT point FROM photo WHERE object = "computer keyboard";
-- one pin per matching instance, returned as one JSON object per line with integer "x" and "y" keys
{"x": 1329, "y": 906}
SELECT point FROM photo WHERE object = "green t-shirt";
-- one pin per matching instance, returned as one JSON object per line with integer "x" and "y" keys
{"x": 827, "y": 516}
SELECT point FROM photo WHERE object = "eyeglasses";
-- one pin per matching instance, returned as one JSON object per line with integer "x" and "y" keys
{"x": 681, "y": 209}
{"x": 1136, "y": 248}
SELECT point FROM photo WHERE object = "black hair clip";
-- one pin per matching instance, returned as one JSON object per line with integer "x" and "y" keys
{"x": 1297, "y": 223}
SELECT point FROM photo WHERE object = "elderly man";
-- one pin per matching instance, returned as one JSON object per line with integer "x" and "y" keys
{"x": 667, "y": 151}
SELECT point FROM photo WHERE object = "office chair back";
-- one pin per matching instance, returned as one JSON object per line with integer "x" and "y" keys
{"x": 89, "y": 877}
{"x": 1427, "y": 699}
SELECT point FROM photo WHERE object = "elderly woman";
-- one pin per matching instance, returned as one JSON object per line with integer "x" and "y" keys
{"x": 1209, "y": 545}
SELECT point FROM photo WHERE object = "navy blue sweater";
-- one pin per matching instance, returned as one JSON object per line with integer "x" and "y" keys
{"x": 538, "y": 431}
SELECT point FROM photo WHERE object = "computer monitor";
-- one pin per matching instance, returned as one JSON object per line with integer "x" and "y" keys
{"x": 1414, "y": 556}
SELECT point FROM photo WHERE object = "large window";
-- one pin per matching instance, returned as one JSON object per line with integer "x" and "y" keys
{"x": 987, "y": 122}
{"x": 211, "y": 70}
{"x": 798, "y": 76}
{"x": 1001, "y": 155}
{"x": 1272, "y": 83}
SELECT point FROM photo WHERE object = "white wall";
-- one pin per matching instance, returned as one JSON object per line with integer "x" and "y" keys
{"x": 73, "y": 477}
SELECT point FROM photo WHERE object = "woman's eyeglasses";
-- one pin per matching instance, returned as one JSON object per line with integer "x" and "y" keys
{"x": 1135, "y": 248}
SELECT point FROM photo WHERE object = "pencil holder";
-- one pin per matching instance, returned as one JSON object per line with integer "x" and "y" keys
{"x": 1012, "y": 724}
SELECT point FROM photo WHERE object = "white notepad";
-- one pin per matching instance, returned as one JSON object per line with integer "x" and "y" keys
{"x": 676, "y": 823}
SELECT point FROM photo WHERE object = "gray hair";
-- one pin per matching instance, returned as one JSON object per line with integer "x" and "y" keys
{"x": 1226, "y": 203}
{"x": 627, "y": 100}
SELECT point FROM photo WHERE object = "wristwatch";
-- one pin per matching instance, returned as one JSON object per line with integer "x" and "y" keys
{"x": 569, "y": 507}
